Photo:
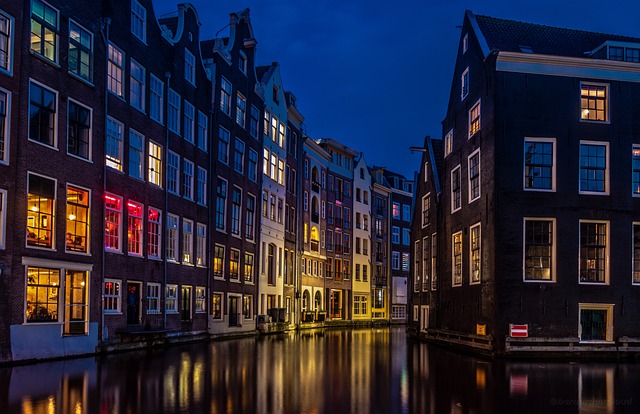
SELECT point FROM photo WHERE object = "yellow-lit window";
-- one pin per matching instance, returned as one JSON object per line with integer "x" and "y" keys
{"x": 43, "y": 286}
{"x": 77, "y": 220}
{"x": 474, "y": 119}
{"x": 155, "y": 164}
{"x": 40, "y": 211}
{"x": 593, "y": 102}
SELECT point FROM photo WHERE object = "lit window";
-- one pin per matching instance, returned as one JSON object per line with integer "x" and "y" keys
{"x": 241, "y": 110}
{"x": 594, "y": 175}
{"x": 274, "y": 129}
{"x": 456, "y": 192}
{"x": 172, "y": 238}
{"x": 42, "y": 114}
{"x": 248, "y": 267}
{"x": 457, "y": 259}
{"x": 80, "y": 51}
{"x": 156, "y": 97}
{"x": 218, "y": 261}
{"x": 111, "y": 292}
{"x": 434, "y": 261}
{"x": 448, "y": 143}
{"x": 281, "y": 135}
{"x": 636, "y": 254}
{"x": 426, "y": 262}
{"x": 5, "y": 42}
{"x": 464, "y": 87}
{"x": 155, "y": 164}
{"x": 265, "y": 123}
{"x": 138, "y": 20}
{"x": 280, "y": 171}
{"x": 4, "y": 125}
{"x": 115, "y": 131}
{"x": 474, "y": 119}
{"x": 216, "y": 305}
{"x": 40, "y": 211}
{"x": 173, "y": 111}
{"x": 253, "y": 121}
{"x": 221, "y": 203}
{"x": 154, "y": 233}
{"x": 225, "y": 96}
{"x": 44, "y": 30}
{"x": 113, "y": 223}
{"x": 539, "y": 249}
{"x": 539, "y": 160}
{"x": 201, "y": 186}
{"x": 465, "y": 43}
{"x": 247, "y": 307}
{"x": 474, "y": 176}
{"x": 187, "y": 241}
{"x": 136, "y": 154}
{"x": 234, "y": 264}
{"x": 201, "y": 299}
{"x": 187, "y": 179}
{"x": 474, "y": 254}
{"x": 79, "y": 130}
{"x": 635, "y": 170}
{"x": 250, "y": 218}
{"x": 171, "y": 299}
{"x": 273, "y": 170}
{"x": 136, "y": 85}
{"x": 189, "y": 122}
{"x": 202, "y": 131}
{"x": 153, "y": 298}
{"x": 238, "y": 156}
{"x": 115, "y": 71}
{"x": 593, "y": 102}
{"x": 252, "y": 165}
{"x": 77, "y": 220}
{"x": 134, "y": 228}
{"x": 236, "y": 204}
{"x": 173, "y": 172}
{"x": 223, "y": 145}
{"x": 396, "y": 210}
{"x": 594, "y": 252}
{"x": 189, "y": 67}
{"x": 265, "y": 161}
{"x": 201, "y": 244}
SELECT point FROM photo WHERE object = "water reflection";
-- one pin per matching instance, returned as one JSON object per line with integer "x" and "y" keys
{"x": 332, "y": 371}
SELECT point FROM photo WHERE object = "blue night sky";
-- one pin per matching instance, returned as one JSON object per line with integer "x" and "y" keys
{"x": 375, "y": 75}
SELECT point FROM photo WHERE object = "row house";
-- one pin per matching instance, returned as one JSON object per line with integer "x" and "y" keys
{"x": 238, "y": 102}
{"x": 538, "y": 230}
{"x": 361, "y": 282}
{"x": 380, "y": 244}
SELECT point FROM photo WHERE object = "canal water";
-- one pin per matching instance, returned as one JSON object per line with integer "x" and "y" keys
{"x": 320, "y": 371}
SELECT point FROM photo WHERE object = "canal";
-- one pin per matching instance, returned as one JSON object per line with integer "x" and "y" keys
{"x": 319, "y": 371}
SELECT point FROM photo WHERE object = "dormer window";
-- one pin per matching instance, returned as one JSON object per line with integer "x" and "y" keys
{"x": 618, "y": 51}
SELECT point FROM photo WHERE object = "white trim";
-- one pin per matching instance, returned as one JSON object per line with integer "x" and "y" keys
{"x": 90, "y": 149}
{"x": 453, "y": 259}
{"x": 3, "y": 218}
{"x": 11, "y": 48}
{"x": 464, "y": 93}
{"x": 471, "y": 200}
{"x": 54, "y": 146}
{"x": 553, "y": 249}
{"x": 7, "y": 132}
{"x": 471, "y": 282}
{"x": 607, "y": 99}
{"x": 453, "y": 209}
{"x": 606, "y": 170}
{"x": 57, "y": 264}
{"x": 598, "y": 306}
{"x": 553, "y": 166}
{"x": 606, "y": 281}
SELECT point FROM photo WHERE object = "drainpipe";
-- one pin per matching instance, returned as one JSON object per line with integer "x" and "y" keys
{"x": 167, "y": 76}
{"x": 105, "y": 37}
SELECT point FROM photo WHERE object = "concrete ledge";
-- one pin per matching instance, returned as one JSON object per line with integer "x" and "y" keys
{"x": 460, "y": 339}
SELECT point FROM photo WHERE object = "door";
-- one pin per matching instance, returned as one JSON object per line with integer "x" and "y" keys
{"x": 233, "y": 311}
{"x": 424, "y": 318}
{"x": 185, "y": 308}
{"x": 594, "y": 324}
{"x": 133, "y": 303}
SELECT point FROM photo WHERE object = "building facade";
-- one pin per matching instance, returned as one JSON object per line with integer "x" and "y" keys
{"x": 361, "y": 282}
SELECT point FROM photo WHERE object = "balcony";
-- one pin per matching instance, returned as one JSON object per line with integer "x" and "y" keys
{"x": 315, "y": 186}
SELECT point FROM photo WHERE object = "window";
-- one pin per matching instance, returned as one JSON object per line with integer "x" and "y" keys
{"x": 265, "y": 123}
{"x": 539, "y": 252}
{"x": 265, "y": 203}
{"x": 40, "y": 211}
{"x": 539, "y": 161}
{"x": 395, "y": 235}
{"x": 113, "y": 223}
{"x": 632, "y": 55}
{"x": 594, "y": 102}
{"x": 216, "y": 305}
{"x": 115, "y": 71}
{"x": 42, "y": 114}
{"x": 474, "y": 119}
{"x": 247, "y": 307}
{"x": 594, "y": 174}
{"x": 155, "y": 164}
{"x": 202, "y": 131}
{"x": 136, "y": 85}
{"x": 187, "y": 179}
{"x": 201, "y": 244}
{"x": 406, "y": 212}
{"x": 221, "y": 203}
{"x": 138, "y": 20}
{"x": 6, "y": 32}
{"x": 395, "y": 260}
{"x": 242, "y": 62}
{"x": 201, "y": 299}
{"x": 434, "y": 261}
{"x": 238, "y": 156}
{"x": 234, "y": 264}
{"x": 173, "y": 171}
{"x": 80, "y": 51}
{"x": 154, "y": 232}
{"x": 172, "y": 238}
{"x": 173, "y": 111}
{"x": 241, "y": 110}
{"x": 187, "y": 242}
{"x": 448, "y": 143}
{"x": 114, "y": 138}
{"x": 3, "y": 218}
{"x": 171, "y": 299}
{"x": 189, "y": 67}
{"x": 274, "y": 129}
{"x": 281, "y": 135}
{"x": 474, "y": 253}
{"x": 79, "y": 130}
{"x": 189, "y": 122}
{"x": 635, "y": 169}
{"x": 134, "y": 228}
{"x": 426, "y": 208}
{"x": 636, "y": 253}
{"x": 225, "y": 96}
{"x": 4, "y": 124}
{"x": 272, "y": 207}
{"x": 280, "y": 171}
{"x": 253, "y": 121}
{"x": 201, "y": 190}
{"x": 153, "y": 298}
{"x": 464, "y": 87}
{"x": 273, "y": 171}
{"x": 250, "y": 219}
{"x": 465, "y": 43}
{"x": 474, "y": 176}
{"x": 136, "y": 154}
{"x": 252, "y": 165}
{"x": 594, "y": 252}
{"x": 156, "y": 98}
{"x": 223, "y": 145}
{"x": 44, "y": 30}
{"x": 248, "y": 267}
{"x": 77, "y": 234}
{"x": 456, "y": 192}
{"x": 218, "y": 261}
{"x": 236, "y": 204}
{"x": 406, "y": 236}
{"x": 306, "y": 201}
{"x": 457, "y": 259}
{"x": 112, "y": 302}
{"x": 426, "y": 268}
{"x": 396, "y": 211}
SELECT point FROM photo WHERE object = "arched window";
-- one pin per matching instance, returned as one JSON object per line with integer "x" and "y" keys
{"x": 315, "y": 179}
{"x": 315, "y": 210}
{"x": 306, "y": 300}
{"x": 318, "y": 301}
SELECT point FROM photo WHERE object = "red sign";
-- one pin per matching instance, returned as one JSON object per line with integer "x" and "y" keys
{"x": 518, "y": 331}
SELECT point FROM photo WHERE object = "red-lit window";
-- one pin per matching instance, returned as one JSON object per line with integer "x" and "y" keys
{"x": 113, "y": 222}
{"x": 154, "y": 232}
{"x": 134, "y": 228}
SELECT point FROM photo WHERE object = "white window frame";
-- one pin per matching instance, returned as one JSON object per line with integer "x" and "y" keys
{"x": 174, "y": 103}
{"x": 3, "y": 219}
{"x": 189, "y": 122}
{"x": 154, "y": 295}
{"x": 56, "y": 32}
{"x": 552, "y": 141}
{"x": 6, "y": 115}
{"x": 172, "y": 238}
{"x": 118, "y": 297}
{"x": 154, "y": 161}
{"x": 201, "y": 186}
{"x": 137, "y": 77}
{"x": 455, "y": 208}
{"x": 473, "y": 197}
{"x": 171, "y": 298}
{"x": 201, "y": 299}
{"x": 395, "y": 234}
{"x": 472, "y": 120}
{"x": 137, "y": 170}
{"x": 607, "y": 252}
{"x": 448, "y": 143}
{"x": 552, "y": 278}
{"x": 120, "y": 223}
{"x": 226, "y": 91}
{"x": 139, "y": 21}
{"x": 54, "y": 144}
{"x": 156, "y": 99}
{"x": 138, "y": 244}
{"x": 189, "y": 67}
{"x": 187, "y": 242}
{"x": 188, "y": 174}
{"x": 203, "y": 131}
{"x": 173, "y": 173}
{"x": 8, "y": 69}
{"x": 471, "y": 249}
{"x": 454, "y": 282}
{"x": 465, "y": 43}
{"x": 607, "y": 100}
{"x": 224, "y": 137}
{"x": 115, "y": 136}
{"x": 426, "y": 210}
{"x": 115, "y": 70}
{"x": 606, "y": 169}
{"x": 464, "y": 84}
{"x": 154, "y": 231}
{"x": 201, "y": 245}
{"x": 81, "y": 48}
